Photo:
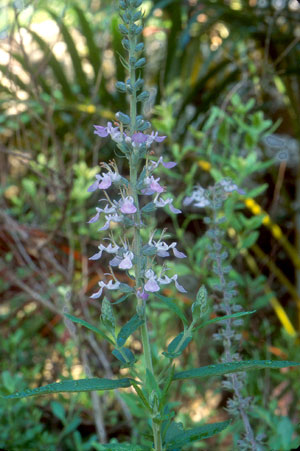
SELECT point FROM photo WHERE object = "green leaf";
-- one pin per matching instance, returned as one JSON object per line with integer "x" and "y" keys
{"x": 233, "y": 367}
{"x": 177, "y": 346}
{"x": 133, "y": 324}
{"x": 124, "y": 355}
{"x": 199, "y": 307}
{"x": 250, "y": 239}
{"x": 58, "y": 410}
{"x": 120, "y": 447}
{"x": 107, "y": 316}
{"x": 149, "y": 208}
{"x": 197, "y": 433}
{"x": 257, "y": 191}
{"x": 223, "y": 318}
{"x": 89, "y": 326}
{"x": 121, "y": 299}
{"x": 172, "y": 306}
{"x": 79, "y": 385}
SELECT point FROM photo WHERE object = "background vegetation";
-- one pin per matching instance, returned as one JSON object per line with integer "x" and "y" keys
{"x": 225, "y": 78}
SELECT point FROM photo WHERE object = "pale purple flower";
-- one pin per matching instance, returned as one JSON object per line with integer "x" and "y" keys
{"x": 139, "y": 139}
{"x": 229, "y": 186}
{"x": 165, "y": 280}
{"x": 142, "y": 295}
{"x": 109, "y": 219}
{"x": 110, "y": 286}
{"x": 152, "y": 186}
{"x": 162, "y": 248}
{"x": 198, "y": 198}
{"x": 126, "y": 262}
{"x": 114, "y": 132}
{"x": 152, "y": 282}
{"x": 168, "y": 164}
{"x": 109, "y": 249}
{"x": 108, "y": 209}
{"x": 127, "y": 206}
{"x": 151, "y": 285}
{"x": 159, "y": 202}
{"x": 105, "y": 181}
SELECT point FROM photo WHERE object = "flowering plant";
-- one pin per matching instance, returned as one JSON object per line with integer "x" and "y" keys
{"x": 135, "y": 253}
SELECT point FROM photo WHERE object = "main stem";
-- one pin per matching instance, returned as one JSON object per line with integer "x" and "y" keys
{"x": 137, "y": 242}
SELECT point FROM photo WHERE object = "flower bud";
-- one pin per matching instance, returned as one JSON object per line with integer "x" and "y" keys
{"x": 139, "y": 47}
{"x": 126, "y": 44}
{"x": 140, "y": 63}
{"x": 139, "y": 84}
{"x": 123, "y": 29}
{"x": 143, "y": 96}
{"x": 121, "y": 86}
{"x": 137, "y": 16}
{"x": 124, "y": 118}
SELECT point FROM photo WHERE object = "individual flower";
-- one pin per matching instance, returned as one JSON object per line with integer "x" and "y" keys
{"x": 114, "y": 132}
{"x": 162, "y": 249}
{"x": 109, "y": 219}
{"x": 152, "y": 283}
{"x": 110, "y": 249}
{"x": 168, "y": 164}
{"x": 198, "y": 198}
{"x": 152, "y": 186}
{"x": 126, "y": 262}
{"x": 110, "y": 286}
{"x": 105, "y": 181}
{"x": 139, "y": 139}
{"x": 229, "y": 186}
{"x": 108, "y": 209}
{"x": 127, "y": 205}
{"x": 159, "y": 202}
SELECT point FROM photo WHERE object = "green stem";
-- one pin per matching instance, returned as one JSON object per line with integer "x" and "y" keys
{"x": 137, "y": 241}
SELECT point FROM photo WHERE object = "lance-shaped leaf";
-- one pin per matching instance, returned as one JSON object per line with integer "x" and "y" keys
{"x": 181, "y": 438}
{"x": 88, "y": 326}
{"x": 93, "y": 384}
{"x": 223, "y": 318}
{"x": 107, "y": 316}
{"x": 177, "y": 345}
{"x": 233, "y": 367}
{"x": 125, "y": 355}
{"x": 133, "y": 324}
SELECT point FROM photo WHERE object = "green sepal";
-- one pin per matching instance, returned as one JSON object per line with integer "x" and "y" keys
{"x": 81, "y": 385}
{"x": 232, "y": 367}
{"x": 132, "y": 325}
{"x": 89, "y": 326}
